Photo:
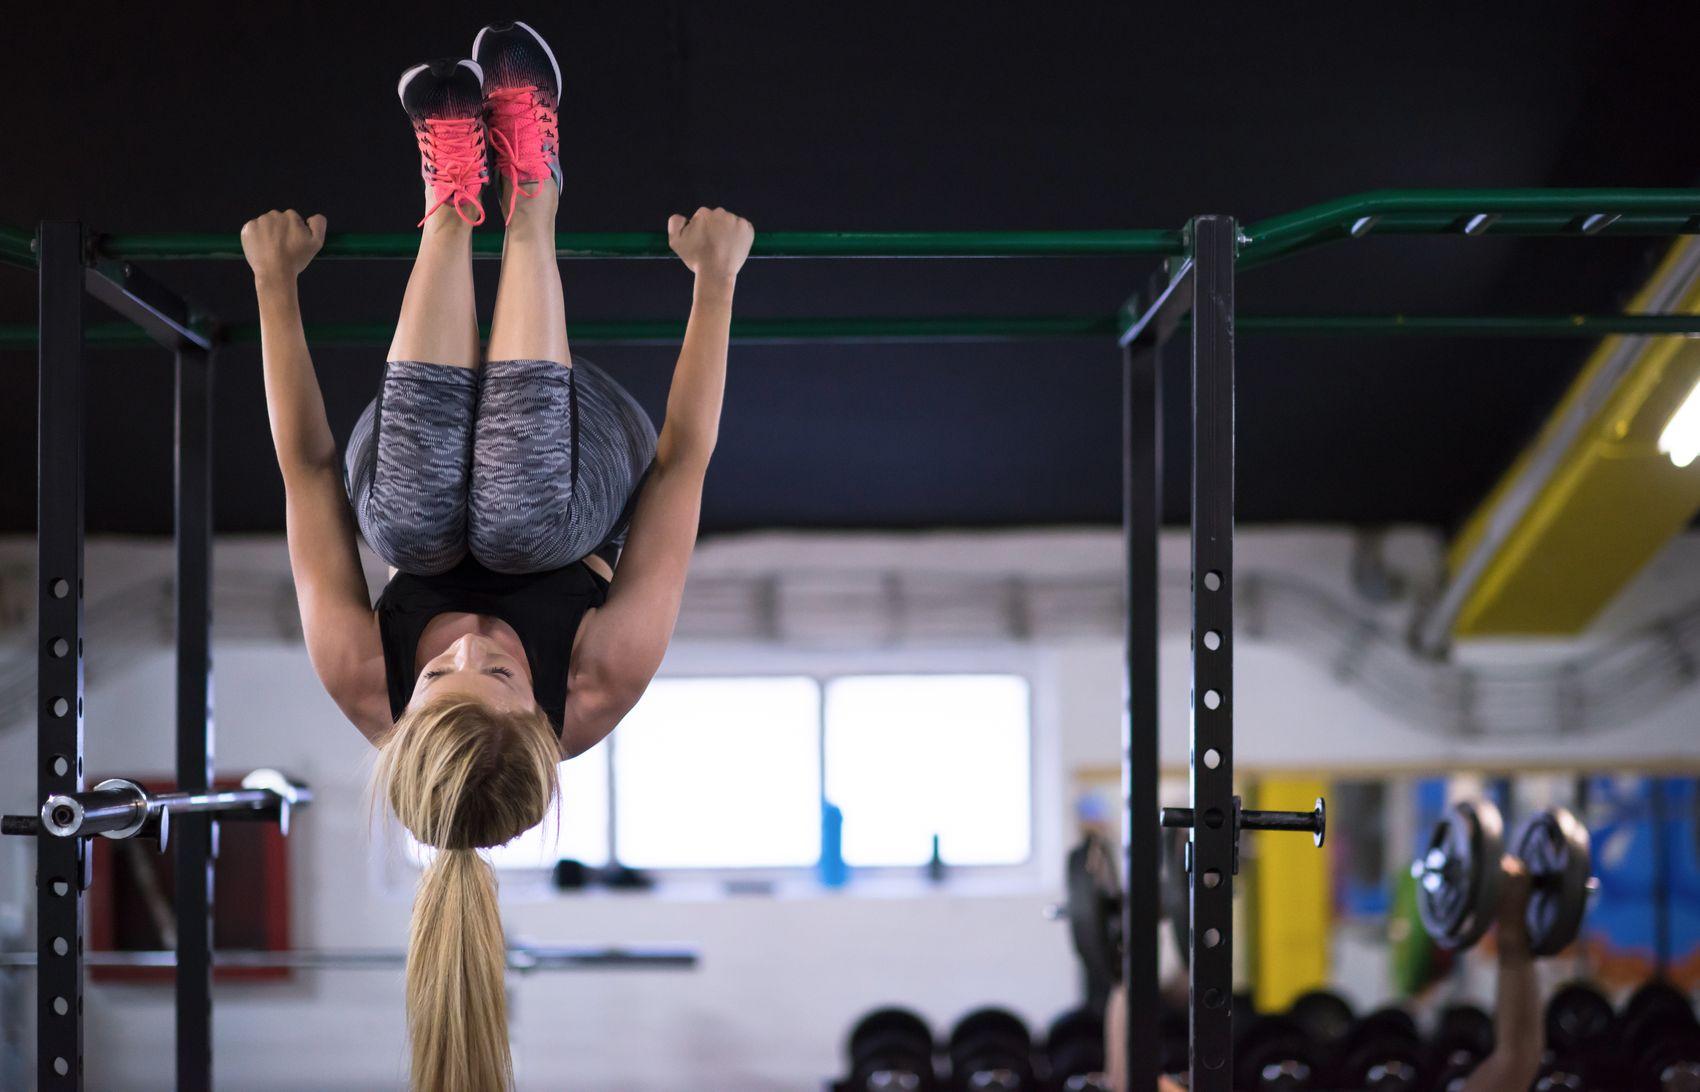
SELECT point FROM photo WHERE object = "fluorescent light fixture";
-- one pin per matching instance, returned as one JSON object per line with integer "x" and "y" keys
{"x": 1681, "y": 437}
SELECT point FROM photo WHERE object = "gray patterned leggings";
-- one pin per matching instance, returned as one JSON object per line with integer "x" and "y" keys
{"x": 524, "y": 464}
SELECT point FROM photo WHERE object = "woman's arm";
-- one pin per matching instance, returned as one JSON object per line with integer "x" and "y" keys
{"x": 1518, "y": 1031}
{"x": 336, "y": 613}
{"x": 619, "y": 647}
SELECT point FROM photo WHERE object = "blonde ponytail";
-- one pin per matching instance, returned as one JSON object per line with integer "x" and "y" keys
{"x": 460, "y": 777}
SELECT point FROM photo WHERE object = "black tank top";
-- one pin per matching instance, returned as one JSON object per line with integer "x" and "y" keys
{"x": 543, "y": 608}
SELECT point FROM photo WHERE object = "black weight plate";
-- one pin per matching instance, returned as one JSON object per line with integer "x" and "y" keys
{"x": 1463, "y": 1028}
{"x": 1274, "y": 1043}
{"x": 1325, "y": 1016}
{"x": 1675, "y": 1047}
{"x": 1095, "y": 908}
{"x": 1075, "y": 1045}
{"x": 1657, "y": 998}
{"x": 988, "y": 1025}
{"x": 1458, "y": 874}
{"x": 1554, "y": 846}
{"x": 893, "y": 1022}
{"x": 1578, "y": 1020}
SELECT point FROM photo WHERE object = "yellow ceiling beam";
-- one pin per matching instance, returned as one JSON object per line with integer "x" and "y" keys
{"x": 1592, "y": 499}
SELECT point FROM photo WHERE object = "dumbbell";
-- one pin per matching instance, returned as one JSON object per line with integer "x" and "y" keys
{"x": 1074, "y": 1051}
{"x": 1325, "y": 1016}
{"x": 1658, "y": 1033}
{"x": 1275, "y": 1054}
{"x": 1579, "y": 1022}
{"x": 891, "y": 1050}
{"x": 1459, "y": 876}
{"x": 1463, "y": 1037}
{"x": 991, "y": 1050}
{"x": 1382, "y": 1053}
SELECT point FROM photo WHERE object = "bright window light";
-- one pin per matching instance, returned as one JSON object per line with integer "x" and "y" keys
{"x": 720, "y": 773}
{"x": 576, "y": 828}
{"x": 911, "y": 756}
{"x": 1681, "y": 437}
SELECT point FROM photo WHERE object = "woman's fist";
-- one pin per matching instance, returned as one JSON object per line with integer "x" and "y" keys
{"x": 279, "y": 245}
{"x": 711, "y": 242}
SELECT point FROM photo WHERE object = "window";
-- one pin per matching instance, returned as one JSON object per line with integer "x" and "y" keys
{"x": 720, "y": 773}
{"x": 911, "y": 756}
{"x": 731, "y": 772}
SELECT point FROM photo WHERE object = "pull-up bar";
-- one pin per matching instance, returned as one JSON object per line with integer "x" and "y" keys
{"x": 1469, "y": 212}
{"x": 962, "y": 328}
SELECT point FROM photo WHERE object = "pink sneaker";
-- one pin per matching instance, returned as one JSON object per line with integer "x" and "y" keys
{"x": 522, "y": 94}
{"x": 445, "y": 99}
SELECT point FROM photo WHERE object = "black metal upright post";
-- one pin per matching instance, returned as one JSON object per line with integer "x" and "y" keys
{"x": 194, "y": 835}
{"x": 1142, "y": 485}
{"x": 61, "y": 874}
{"x": 1214, "y": 835}
{"x": 1142, "y": 521}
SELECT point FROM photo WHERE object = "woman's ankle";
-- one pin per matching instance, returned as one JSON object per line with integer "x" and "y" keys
{"x": 535, "y": 205}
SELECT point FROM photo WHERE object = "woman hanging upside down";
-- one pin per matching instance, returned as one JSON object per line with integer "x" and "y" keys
{"x": 538, "y": 527}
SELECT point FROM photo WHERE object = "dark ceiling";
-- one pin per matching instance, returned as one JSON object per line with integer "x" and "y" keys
{"x": 875, "y": 116}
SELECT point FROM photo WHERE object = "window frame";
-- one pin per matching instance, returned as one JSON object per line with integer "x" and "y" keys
{"x": 821, "y": 667}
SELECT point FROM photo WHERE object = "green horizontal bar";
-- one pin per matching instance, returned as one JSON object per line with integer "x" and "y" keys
{"x": 972, "y": 328}
{"x": 653, "y": 244}
{"x": 1653, "y": 212}
{"x": 1531, "y": 326}
{"x": 1656, "y": 212}
{"x": 664, "y": 331}
{"x": 17, "y": 247}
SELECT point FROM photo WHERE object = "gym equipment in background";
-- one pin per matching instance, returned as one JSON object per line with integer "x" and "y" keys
{"x": 1460, "y": 875}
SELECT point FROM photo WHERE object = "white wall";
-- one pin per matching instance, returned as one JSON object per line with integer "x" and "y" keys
{"x": 782, "y": 977}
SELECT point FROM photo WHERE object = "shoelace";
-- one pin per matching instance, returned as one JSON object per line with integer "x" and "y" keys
{"x": 453, "y": 149}
{"x": 524, "y": 132}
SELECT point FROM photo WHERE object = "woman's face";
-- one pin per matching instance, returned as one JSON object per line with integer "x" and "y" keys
{"x": 476, "y": 667}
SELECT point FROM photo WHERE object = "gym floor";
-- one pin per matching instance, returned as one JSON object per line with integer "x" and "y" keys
{"x": 895, "y": 701}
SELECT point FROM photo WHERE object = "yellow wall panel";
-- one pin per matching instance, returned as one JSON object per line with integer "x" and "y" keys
{"x": 1294, "y": 900}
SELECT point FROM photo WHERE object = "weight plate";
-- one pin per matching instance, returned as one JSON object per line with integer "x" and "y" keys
{"x": 1554, "y": 846}
{"x": 1579, "y": 1020}
{"x": 1458, "y": 875}
{"x": 1095, "y": 908}
{"x": 1325, "y": 1015}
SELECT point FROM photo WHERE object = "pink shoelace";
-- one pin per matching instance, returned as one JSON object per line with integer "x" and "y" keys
{"x": 525, "y": 133}
{"x": 453, "y": 151}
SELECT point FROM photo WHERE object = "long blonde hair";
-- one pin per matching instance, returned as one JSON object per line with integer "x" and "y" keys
{"x": 461, "y": 776}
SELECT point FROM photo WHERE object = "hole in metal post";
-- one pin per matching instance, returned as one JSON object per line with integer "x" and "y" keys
{"x": 59, "y": 887}
{"x": 1212, "y": 758}
{"x": 58, "y": 707}
{"x": 61, "y": 946}
{"x": 1212, "y": 937}
{"x": 61, "y": 1006}
{"x": 59, "y": 648}
{"x": 1213, "y": 818}
{"x": 1212, "y": 640}
{"x": 61, "y": 1066}
{"x": 60, "y": 765}
{"x": 1213, "y": 998}
{"x": 1212, "y": 877}
{"x": 59, "y": 587}
{"x": 1212, "y": 581}
{"x": 1212, "y": 699}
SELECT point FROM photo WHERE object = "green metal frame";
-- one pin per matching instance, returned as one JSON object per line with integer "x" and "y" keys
{"x": 1468, "y": 213}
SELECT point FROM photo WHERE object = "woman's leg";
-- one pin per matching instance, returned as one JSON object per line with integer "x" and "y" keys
{"x": 439, "y": 318}
{"x": 409, "y": 460}
{"x": 530, "y": 322}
